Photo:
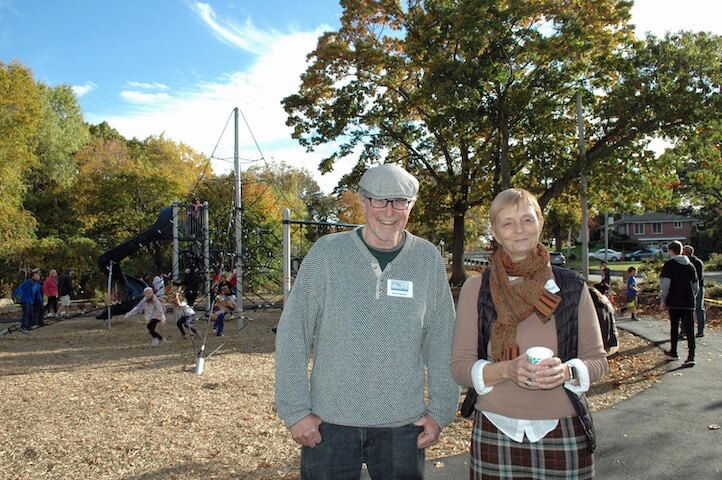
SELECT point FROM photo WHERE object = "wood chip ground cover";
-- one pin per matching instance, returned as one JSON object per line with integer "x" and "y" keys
{"x": 83, "y": 402}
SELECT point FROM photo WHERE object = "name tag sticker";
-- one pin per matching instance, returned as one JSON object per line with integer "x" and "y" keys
{"x": 399, "y": 288}
{"x": 552, "y": 286}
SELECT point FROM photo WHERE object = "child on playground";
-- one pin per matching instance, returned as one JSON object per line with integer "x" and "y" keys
{"x": 153, "y": 311}
{"x": 632, "y": 292}
{"x": 226, "y": 303}
{"x": 185, "y": 313}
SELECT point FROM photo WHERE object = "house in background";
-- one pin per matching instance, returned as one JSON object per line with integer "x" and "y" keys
{"x": 656, "y": 229}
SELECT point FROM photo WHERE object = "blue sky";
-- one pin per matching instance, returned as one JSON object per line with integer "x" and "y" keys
{"x": 180, "y": 66}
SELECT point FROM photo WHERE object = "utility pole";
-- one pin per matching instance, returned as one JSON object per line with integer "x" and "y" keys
{"x": 286, "y": 255}
{"x": 110, "y": 291}
{"x": 176, "y": 259}
{"x": 207, "y": 257}
{"x": 237, "y": 188}
{"x": 606, "y": 231}
{"x": 583, "y": 182}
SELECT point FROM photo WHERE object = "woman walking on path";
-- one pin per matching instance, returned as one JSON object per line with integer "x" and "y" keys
{"x": 50, "y": 289}
{"x": 531, "y": 420}
{"x": 154, "y": 313}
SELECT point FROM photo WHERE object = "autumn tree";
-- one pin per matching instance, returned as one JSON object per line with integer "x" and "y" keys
{"x": 697, "y": 160}
{"x": 20, "y": 108}
{"x": 452, "y": 90}
{"x": 122, "y": 186}
{"x": 479, "y": 96}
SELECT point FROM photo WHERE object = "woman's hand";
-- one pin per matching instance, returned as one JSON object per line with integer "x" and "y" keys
{"x": 521, "y": 372}
{"x": 549, "y": 374}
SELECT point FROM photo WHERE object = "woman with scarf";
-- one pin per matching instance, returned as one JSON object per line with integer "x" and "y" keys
{"x": 530, "y": 421}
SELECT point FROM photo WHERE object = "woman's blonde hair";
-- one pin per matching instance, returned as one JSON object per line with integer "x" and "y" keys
{"x": 512, "y": 197}
{"x": 53, "y": 273}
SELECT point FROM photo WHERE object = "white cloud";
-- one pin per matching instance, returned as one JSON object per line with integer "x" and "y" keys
{"x": 149, "y": 85}
{"x": 144, "y": 98}
{"x": 661, "y": 16}
{"x": 196, "y": 114}
{"x": 246, "y": 37}
{"x": 81, "y": 90}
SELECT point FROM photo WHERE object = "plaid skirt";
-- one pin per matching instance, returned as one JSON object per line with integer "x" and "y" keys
{"x": 561, "y": 454}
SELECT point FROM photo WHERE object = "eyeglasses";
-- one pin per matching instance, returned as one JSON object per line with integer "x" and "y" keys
{"x": 396, "y": 203}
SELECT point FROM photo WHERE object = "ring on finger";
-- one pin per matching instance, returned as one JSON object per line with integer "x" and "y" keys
{"x": 528, "y": 382}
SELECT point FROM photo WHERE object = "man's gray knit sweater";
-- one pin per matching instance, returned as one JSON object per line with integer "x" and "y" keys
{"x": 370, "y": 337}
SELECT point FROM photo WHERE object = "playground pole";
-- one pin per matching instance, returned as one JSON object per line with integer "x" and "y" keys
{"x": 238, "y": 186}
{"x": 110, "y": 286}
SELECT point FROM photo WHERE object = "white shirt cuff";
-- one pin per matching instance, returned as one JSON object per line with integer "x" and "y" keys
{"x": 477, "y": 377}
{"x": 582, "y": 376}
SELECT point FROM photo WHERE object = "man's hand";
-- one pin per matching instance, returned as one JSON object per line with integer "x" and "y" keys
{"x": 663, "y": 306}
{"x": 306, "y": 432}
{"x": 431, "y": 432}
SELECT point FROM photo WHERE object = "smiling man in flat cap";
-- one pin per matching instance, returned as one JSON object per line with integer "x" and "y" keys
{"x": 373, "y": 308}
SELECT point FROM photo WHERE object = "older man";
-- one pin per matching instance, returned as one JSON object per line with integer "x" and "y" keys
{"x": 699, "y": 299}
{"x": 374, "y": 309}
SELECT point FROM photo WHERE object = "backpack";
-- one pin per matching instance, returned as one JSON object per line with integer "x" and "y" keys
{"x": 606, "y": 320}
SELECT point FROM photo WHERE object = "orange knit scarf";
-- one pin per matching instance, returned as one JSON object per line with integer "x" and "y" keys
{"x": 514, "y": 303}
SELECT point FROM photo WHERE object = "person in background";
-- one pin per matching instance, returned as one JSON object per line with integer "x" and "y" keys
{"x": 531, "y": 421}
{"x": 632, "y": 293}
{"x": 154, "y": 313}
{"x": 606, "y": 273}
{"x": 26, "y": 294}
{"x": 185, "y": 313}
{"x": 159, "y": 287}
{"x": 678, "y": 287}
{"x": 226, "y": 304}
{"x": 38, "y": 303}
{"x": 65, "y": 290}
{"x": 50, "y": 289}
{"x": 699, "y": 299}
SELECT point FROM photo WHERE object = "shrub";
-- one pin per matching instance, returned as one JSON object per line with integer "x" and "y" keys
{"x": 650, "y": 271}
{"x": 714, "y": 262}
{"x": 713, "y": 290}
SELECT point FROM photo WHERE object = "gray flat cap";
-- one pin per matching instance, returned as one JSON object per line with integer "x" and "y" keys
{"x": 389, "y": 181}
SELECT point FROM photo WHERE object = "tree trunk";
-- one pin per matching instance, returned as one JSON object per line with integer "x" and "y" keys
{"x": 458, "y": 274}
{"x": 504, "y": 164}
{"x": 558, "y": 240}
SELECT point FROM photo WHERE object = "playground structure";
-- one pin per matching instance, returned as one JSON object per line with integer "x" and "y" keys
{"x": 264, "y": 272}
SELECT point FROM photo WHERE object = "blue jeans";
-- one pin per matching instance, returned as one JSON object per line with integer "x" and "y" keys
{"x": 27, "y": 320}
{"x": 389, "y": 453}
{"x": 218, "y": 324}
{"x": 699, "y": 311}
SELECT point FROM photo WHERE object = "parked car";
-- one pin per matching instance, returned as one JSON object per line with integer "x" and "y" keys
{"x": 557, "y": 258}
{"x": 638, "y": 255}
{"x": 611, "y": 255}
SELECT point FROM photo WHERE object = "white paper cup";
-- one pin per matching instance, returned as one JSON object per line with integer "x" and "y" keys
{"x": 536, "y": 354}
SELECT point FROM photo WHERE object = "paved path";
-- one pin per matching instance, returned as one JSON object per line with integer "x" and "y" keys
{"x": 660, "y": 434}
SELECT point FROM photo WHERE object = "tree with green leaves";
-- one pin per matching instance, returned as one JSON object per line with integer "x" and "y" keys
{"x": 123, "y": 185}
{"x": 20, "y": 108}
{"x": 61, "y": 134}
{"x": 479, "y": 96}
